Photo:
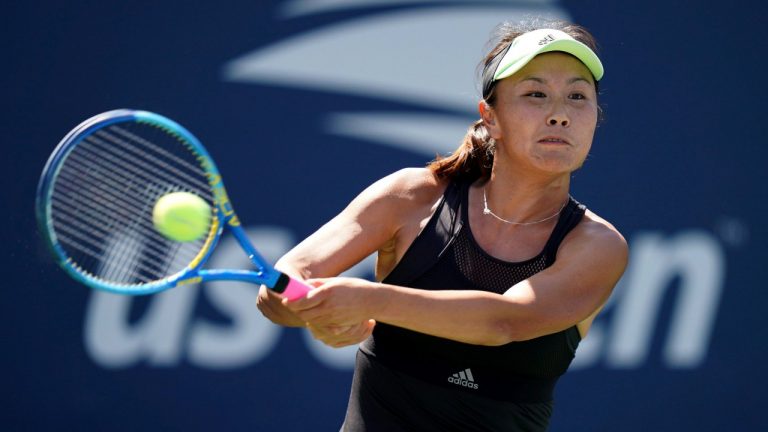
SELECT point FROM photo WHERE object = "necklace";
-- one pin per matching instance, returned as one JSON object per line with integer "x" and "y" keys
{"x": 487, "y": 211}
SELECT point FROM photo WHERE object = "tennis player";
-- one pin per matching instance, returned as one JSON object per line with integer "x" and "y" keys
{"x": 489, "y": 273}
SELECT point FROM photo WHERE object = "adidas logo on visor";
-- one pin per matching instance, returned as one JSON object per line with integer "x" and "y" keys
{"x": 464, "y": 379}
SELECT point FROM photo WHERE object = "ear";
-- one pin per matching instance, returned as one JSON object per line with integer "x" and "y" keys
{"x": 488, "y": 115}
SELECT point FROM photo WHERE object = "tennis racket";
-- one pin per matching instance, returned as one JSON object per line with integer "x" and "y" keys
{"x": 95, "y": 200}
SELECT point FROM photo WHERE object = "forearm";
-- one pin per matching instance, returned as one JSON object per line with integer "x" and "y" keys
{"x": 476, "y": 317}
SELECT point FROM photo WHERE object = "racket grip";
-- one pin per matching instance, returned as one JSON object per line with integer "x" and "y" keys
{"x": 292, "y": 289}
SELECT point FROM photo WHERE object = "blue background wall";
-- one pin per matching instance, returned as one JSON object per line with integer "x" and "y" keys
{"x": 333, "y": 95}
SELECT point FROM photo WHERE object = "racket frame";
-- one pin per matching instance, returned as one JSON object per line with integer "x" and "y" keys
{"x": 223, "y": 215}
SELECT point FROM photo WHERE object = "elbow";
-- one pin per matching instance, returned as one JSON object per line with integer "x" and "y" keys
{"x": 506, "y": 330}
{"x": 502, "y": 332}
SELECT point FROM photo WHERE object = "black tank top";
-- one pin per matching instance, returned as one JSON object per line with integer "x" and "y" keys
{"x": 445, "y": 255}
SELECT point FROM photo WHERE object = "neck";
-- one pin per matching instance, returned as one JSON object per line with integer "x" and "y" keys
{"x": 524, "y": 198}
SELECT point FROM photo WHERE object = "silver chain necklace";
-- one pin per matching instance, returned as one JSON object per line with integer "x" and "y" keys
{"x": 487, "y": 211}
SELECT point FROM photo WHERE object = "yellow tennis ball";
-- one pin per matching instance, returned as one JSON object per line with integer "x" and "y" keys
{"x": 182, "y": 216}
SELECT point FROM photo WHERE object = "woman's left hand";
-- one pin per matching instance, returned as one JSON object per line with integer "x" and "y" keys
{"x": 338, "y": 337}
{"x": 336, "y": 302}
{"x": 338, "y": 311}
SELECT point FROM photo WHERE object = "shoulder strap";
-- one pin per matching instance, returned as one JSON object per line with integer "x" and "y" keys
{"x": 434, "y": 239}
{"x": 571, "y": 216}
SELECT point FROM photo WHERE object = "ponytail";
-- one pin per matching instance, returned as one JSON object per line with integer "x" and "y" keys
{"x": 472, "y": 160}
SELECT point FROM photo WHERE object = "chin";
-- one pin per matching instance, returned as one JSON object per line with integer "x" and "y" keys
{"x": 559, "y": 164}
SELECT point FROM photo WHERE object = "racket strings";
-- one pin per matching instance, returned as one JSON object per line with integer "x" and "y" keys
{"x": 87, "y": 238}
{"x": 134, "y": 273}
{"x": 163, "y": 169}
{"x": 83, "y": 234}
{"x": 108, "y": 155}
{"x": 103, "y": 196}
{"x": 117, "y": 197}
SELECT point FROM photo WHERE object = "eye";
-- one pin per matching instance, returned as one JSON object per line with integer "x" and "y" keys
{"x": 577, "y": 96}
{"x": 536, "y": 94}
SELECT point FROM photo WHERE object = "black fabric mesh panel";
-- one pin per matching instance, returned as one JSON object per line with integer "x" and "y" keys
{"x": 487, "y": 272}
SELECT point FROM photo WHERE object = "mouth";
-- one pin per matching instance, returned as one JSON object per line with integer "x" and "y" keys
{"x": 556, "y": 140}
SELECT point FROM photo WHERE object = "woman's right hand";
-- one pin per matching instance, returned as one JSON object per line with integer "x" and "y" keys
{"x": 337, "y": 337}
{"x": 271, "y": 306}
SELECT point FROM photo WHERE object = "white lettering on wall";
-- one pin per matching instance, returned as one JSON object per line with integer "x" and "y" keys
{"x": 167, "y": 329}
{"x": 249, "y": 336}
{"x": 169, "y": 332}
{"x": 693, "y": 259}
{"x": 156, "y": 338}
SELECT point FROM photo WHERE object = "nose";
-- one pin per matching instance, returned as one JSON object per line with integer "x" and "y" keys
{"x": 558, "y": 115}
{"x": 558, "y": 118}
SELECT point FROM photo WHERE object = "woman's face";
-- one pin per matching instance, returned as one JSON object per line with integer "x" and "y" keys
{"x": 545, "y": 114}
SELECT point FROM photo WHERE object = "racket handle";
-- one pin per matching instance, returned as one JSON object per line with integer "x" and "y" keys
{"x": 292, "y": 289}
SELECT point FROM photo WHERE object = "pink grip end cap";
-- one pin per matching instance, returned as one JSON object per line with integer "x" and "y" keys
{"x": 295, "y": 290}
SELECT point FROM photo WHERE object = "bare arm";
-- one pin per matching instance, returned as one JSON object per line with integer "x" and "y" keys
{"x": 589, "y": 264}
{"x": 372, "y": 221}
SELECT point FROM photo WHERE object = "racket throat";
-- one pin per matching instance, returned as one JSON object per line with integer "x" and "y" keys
{"x": 281, "y": 284}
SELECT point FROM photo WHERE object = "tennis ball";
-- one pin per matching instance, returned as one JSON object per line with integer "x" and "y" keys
{"x": 181, "y": 216}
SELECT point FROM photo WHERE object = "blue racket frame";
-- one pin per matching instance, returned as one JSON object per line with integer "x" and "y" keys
{"x": 224, "y": 215}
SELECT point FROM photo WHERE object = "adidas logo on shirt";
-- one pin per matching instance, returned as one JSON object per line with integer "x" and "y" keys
{"x": 464, "y": 379}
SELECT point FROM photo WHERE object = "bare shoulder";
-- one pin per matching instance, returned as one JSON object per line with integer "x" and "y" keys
{"x": 410, "y": 196}
{"x": 597, "y": 240}
{"x": 375, "y": 220}
{"x": 414, "y": 184}
{"x": 395, "y": 201}
{"x": 602, "y": 231}
{"x": 407, "y": 189}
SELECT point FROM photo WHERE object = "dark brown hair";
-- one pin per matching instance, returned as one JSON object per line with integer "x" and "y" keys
{"x": 474, "y": 157}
